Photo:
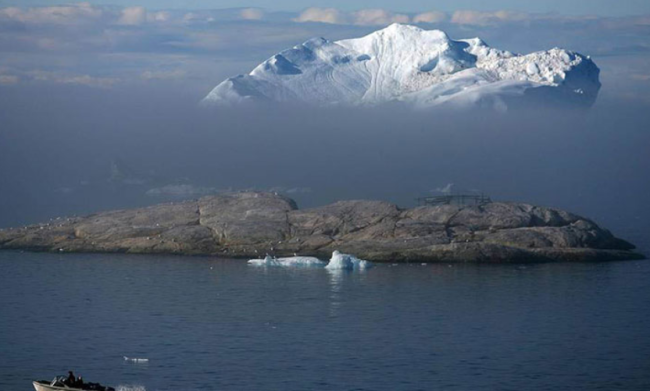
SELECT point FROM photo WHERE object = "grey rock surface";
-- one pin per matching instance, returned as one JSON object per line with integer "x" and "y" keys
{"x": 252, "y": 224}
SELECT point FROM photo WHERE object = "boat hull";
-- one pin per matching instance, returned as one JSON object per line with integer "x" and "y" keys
{"x": 39, "y": 386}
{"x": 44, "y": 385}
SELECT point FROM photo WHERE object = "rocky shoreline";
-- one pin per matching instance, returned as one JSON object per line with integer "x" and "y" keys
{"x": 252, "y": 224}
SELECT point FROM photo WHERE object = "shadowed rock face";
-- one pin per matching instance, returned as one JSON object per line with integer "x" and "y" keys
{"x": 253, "y": 224}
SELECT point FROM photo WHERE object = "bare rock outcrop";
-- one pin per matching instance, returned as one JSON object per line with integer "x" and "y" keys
{"x": 252, "y": 224}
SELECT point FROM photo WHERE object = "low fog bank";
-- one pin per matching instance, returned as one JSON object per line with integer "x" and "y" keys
{"x": 67, "y": 151}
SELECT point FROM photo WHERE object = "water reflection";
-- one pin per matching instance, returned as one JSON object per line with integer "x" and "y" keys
{"x": 336, "y": 277}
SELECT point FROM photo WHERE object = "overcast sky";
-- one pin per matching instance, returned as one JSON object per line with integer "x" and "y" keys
{"x": 598, "y": 7}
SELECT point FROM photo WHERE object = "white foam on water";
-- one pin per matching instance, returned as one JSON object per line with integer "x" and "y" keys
{"x": 287, "y": 262}
{"x": 340, "y": 261}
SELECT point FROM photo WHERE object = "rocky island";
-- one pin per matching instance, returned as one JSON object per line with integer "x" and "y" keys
{"x": 252, "y": 224}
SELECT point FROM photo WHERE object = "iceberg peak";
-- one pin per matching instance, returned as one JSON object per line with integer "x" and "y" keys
{"x": 407, "y": 30}
{"x": 422, "y": 68}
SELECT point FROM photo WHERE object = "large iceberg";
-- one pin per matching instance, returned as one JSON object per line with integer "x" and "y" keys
{"x": 420, "y": 68}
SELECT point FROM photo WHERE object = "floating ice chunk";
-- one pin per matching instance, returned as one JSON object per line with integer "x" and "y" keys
{"x": 138, "y": 360}
{"x": 287, "y": 262}
{"x": 340, "y": 261}
{"x": 267, "y": 261}
{"x": 130, "y": 388}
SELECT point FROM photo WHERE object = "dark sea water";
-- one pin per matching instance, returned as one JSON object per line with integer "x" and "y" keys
{"x": 211, "y": 324}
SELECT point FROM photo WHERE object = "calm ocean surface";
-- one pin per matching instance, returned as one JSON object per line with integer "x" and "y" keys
{"x": 211, "y": 324}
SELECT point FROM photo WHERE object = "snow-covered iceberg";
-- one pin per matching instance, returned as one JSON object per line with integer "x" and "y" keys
{"x": 420, "y": 68}
{"x": 340, "y": 261}
{"x": 287, "y": 262}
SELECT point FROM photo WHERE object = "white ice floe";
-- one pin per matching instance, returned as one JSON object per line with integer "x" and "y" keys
{"x": 340, "y": 261}
{"x": 287, "y": 262}
{"x": 130, "y": 388}
{"x": 136, "y": 360}
{"x": 421, "y": 68}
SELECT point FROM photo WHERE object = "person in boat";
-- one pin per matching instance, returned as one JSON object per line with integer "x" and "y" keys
{"x": 80, "y": 382}
{"x": 70, "y": 381}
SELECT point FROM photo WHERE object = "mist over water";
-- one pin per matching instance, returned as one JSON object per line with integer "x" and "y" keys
{"x": 74, "y": 150}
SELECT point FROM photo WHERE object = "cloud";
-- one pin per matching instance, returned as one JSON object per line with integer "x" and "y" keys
{"x": 163, "y": 75}
{"x": 371, "y": 17}
{"x": 64, "y": 14}
{"x": 160, "y": 16}
{"x": 640, "y": 77}
{"x": 378, "y": 16}
{"x": 626, "y": 22}
{"x": 84, "y": 13}
{"x": 364, "y": 17}
{"x": 8, "y": 79}
{"x": 430, "y": 17}
{"x": 252, "y": 14}
{"x": 322, "y": 15}
{"x": 642, "y": 21}
{"x": 85, "y": 80}
{"x": 133, "y": 16}
{"x": 89, "y": 81}
{"x": 192, "y": 17}
{"x": 482, "y": 18}
{"x": 90, "y": 15}
{"x": 203, "y": 40}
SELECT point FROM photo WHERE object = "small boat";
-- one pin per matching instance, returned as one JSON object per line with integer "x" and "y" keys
{"x": 59, "y": 383}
